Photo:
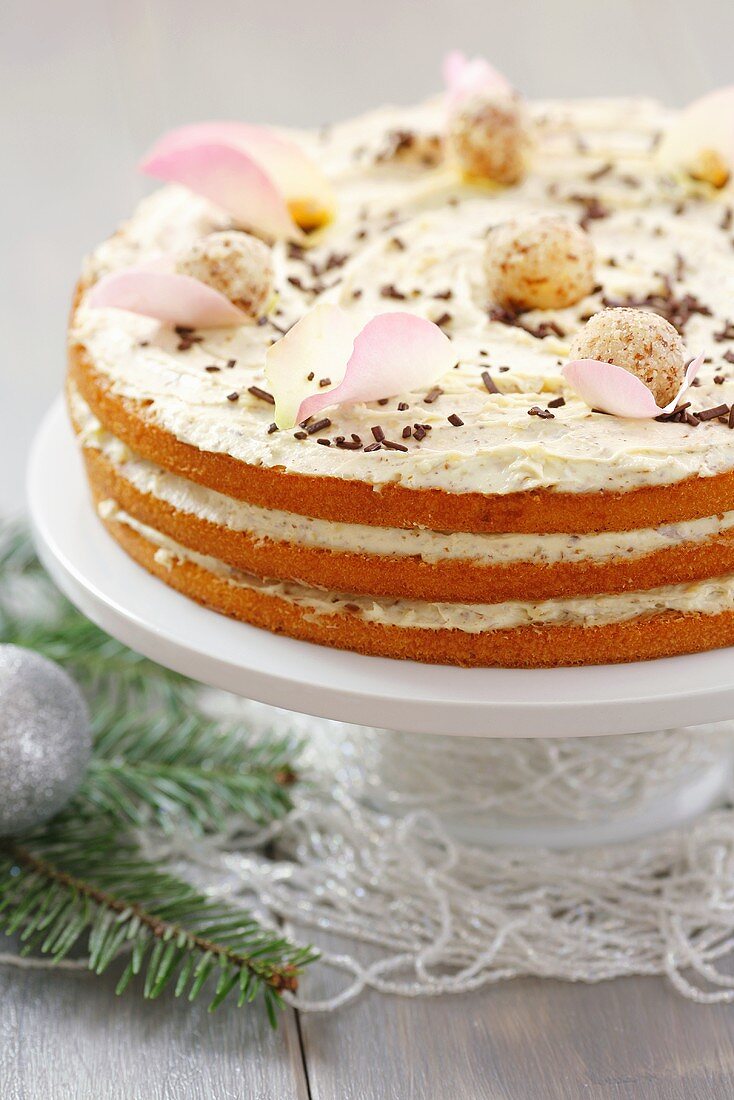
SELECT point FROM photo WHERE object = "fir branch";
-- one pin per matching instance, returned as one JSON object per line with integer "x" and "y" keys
{"x": 69, "y": 881}
{"x": 187, "y": 769}
{"x": 157, "y": 760}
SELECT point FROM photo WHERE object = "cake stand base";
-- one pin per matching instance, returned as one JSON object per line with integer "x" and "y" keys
{"x": 481, "y": 718}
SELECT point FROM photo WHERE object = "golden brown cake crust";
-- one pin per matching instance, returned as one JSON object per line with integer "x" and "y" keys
{"x": 351, "y": 501}
{"x": 450, "y": 580}
{"x": 665, "y": 635}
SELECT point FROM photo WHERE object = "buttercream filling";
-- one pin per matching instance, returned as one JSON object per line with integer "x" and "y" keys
{"x": 411, "y": 238}
{"x": 707, "y": 597}
{"x": 431, "y": 546}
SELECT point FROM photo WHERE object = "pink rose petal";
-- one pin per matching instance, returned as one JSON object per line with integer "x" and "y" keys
{"x": 465, "y": 78}
{"x": 394, "y": 353}
{"x": 707, "y": 124}
{"x": 154, "y": 290}
{"x": 613, "y": 389}
{"x": 263, "y": 180}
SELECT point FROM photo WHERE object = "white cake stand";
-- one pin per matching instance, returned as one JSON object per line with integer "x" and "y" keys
{"x": 123, "y": 599}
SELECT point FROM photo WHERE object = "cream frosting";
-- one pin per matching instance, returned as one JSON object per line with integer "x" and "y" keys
{"x": 708, "y": 597}
{"x": 420, "y": 234}
{"x": 430, "y": 546}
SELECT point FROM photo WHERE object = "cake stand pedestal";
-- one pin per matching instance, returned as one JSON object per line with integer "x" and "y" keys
{"x": 451, "y": 705}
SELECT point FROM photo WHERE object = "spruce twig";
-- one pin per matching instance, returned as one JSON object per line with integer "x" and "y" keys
{"x": 65, "y": 882}
{"x": 157, "y": 761}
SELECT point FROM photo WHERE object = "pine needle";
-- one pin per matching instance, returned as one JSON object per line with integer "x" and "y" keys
{"x": 158, "y": 762}
{"x": 68, "y": 882}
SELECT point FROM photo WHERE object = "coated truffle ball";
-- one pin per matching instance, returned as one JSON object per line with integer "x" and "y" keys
{"x": 489, "y": 135}
{"x": 236, "y": 264}
{"x": 541, "y": 262}
{"x": 643, "y": 343}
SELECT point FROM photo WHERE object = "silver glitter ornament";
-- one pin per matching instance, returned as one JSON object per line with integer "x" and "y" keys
{"x": 45, "y": 739}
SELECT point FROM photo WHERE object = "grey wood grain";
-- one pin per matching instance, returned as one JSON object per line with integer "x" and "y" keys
{"x": 67, "y": 1037}
{"x": 631, "y": 1039}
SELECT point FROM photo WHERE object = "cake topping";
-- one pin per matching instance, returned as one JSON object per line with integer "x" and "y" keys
{"x": 262, "y": 179}
{"x": 465, "y": 78}
{"x": 488, "y": 128}
{"x": 391, "y": 354}
{"x": 489, "y": 137}
{"x": 155, "y": 289}
{"x": 236, "y": 264}
{"x": 542, "y": 262}
{"x": 700, "y": 142}
{"x": 630, "y": 363}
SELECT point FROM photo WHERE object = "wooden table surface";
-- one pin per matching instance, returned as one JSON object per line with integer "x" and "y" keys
{"x": 67, "y": 1037}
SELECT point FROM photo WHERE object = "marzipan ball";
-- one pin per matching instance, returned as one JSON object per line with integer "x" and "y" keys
{"x": 643, "y": 343}
{"x": 489, "y": 135}
{"x": 236, "y": 264}
{"x": 543, "y": 262}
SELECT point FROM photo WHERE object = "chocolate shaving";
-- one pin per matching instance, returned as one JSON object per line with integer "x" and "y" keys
{"x": 557, "y": 403}
{"x": 318, "y": 425}
{"x": 234, "y": 396}
{"x": 273, "y": 428}
{"x": 455, "y": 420}
{"x": 263, "y": 395}
{"x": 393, "y": 446}
{"x": 390, "y": 291}
{"x": 544, "y": 414}
{"x": 432, "y": 395}
{"x": 677, "y": 311}
{"x": 372, "y": 447}
{"x": 378, "y": 433}
{"x": 488, "y": 382}
{"x": 711, "y": 414}
{"x": 727, "y": 332}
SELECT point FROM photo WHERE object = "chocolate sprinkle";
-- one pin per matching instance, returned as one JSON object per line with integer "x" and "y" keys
{"x": 300, "y": 435}
{"x": 393, "y": 446}
{"x": 372, "y": 447}
{"x": 455, "y": 420}
{"x": 432, "y": 395}
{"x": 318, "y": 425}
{"x": 557, "y": 403}
{"x": 544, "y": 414}
{"x": 711, "y": 414}
{"x": 262, "y": 394}
{"x": 488, "y": 382}
{"x": 378, "y": 433}
{"x": 273, "y": 428}
{"x": 234, "y": 396}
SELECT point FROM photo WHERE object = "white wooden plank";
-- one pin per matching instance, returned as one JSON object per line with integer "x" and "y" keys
{"x": 68, "y": 1037}
{"x": 632, "y": 1039}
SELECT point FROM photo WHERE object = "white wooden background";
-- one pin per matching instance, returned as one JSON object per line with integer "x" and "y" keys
{"x": 85, "y": 86}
